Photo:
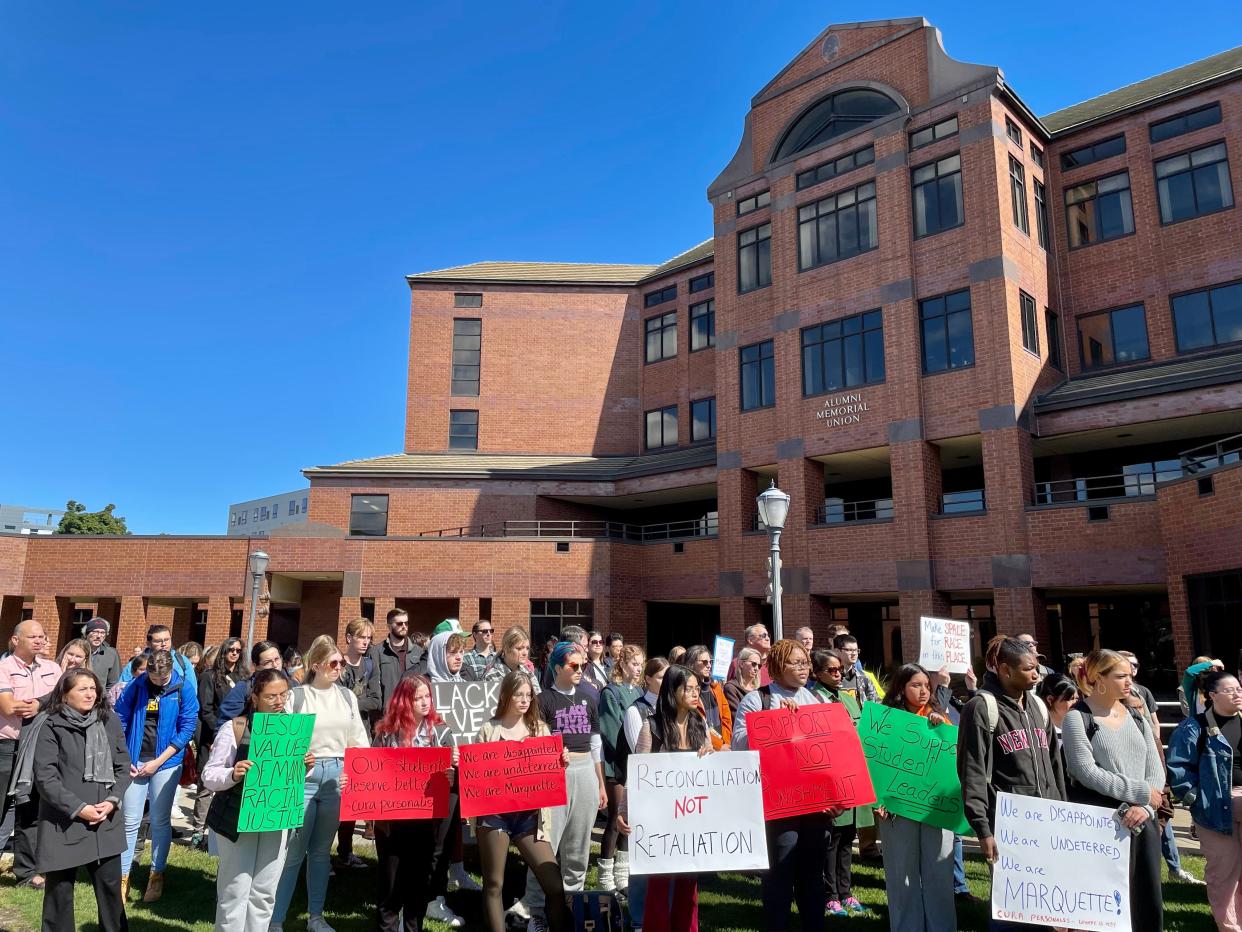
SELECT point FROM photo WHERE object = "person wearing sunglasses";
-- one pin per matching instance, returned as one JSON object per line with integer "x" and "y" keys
{"x": 338, "y": 725}
{"x": 595, "y": 672}
{"x": 474, "y": 664}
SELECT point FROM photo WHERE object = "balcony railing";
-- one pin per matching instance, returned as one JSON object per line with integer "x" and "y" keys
{"x": 707, "y": 526}
{"x": 1094, "y": 488}
{"x": 956, "y": 503}
{"x": 1212, "y": 455}
{"x": 838, "y": 512}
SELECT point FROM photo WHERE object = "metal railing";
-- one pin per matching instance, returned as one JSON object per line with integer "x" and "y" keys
{"x": 707, "y": 526}
{"x": 839, "y": 512}
{"x": 1093, "y": 488}
{"x": 1212, "y": 455}
{"x": 954, "y": 503}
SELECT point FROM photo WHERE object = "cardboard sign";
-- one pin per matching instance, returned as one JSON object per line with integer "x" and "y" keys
{"x": 811, "y": 759}
{"x": 691, "y": 814}
{"x": 396, "y": 783}
{"x": 465, "y": 707}
{"x": 272, "y": 794}
{"x": 722, "y": 657}
{"x": 944, "y": 643}
{"x": 511, "y": 776}
{"x": 1061, "y": 864}
{"x": 913, "y": 766}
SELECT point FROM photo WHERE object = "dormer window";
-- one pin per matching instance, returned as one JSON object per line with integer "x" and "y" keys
{"x": 834, "y": 116}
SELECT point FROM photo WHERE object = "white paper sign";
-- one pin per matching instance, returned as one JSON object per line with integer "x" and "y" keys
{"x": 1061, "y": 864}
{"x": 722, "y": 656}
{"x": 944, "y": 642}
{"x": 691, "y": 814}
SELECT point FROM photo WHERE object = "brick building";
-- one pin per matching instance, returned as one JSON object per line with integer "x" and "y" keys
{"x": 995, "y": 358}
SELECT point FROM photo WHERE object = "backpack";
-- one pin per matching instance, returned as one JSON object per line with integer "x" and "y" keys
{"x": 991, "y": 713}
{"x": 1078, "y": 792}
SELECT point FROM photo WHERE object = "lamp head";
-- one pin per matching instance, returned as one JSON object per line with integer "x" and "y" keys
{"x": 773, "y": 507}
{"x": 258, "y": 563}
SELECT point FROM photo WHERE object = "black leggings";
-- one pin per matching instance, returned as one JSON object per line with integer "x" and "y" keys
{"x": 58, "y": 897}
{"x": 494, "y": 852}
{"x": 612, "y": 838}
{"x": 797, "y": 847}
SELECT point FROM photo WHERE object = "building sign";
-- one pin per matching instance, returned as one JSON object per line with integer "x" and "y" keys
{"x": 842, "y": 410}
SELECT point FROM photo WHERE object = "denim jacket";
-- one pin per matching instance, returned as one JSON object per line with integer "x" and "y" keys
{"x": 1201, "y": 772}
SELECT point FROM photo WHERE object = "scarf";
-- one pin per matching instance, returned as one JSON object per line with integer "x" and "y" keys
{"x": 97, "y": 767}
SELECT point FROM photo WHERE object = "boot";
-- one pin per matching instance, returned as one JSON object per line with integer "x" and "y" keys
{"x": 621, "y": 871}
{"x": 124, "y": 887}
{"x": 606, "y": 881}
{"x": 155, "y": 887}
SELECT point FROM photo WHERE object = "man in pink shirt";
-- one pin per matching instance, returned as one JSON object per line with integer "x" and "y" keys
{"x": 26, "y": 676}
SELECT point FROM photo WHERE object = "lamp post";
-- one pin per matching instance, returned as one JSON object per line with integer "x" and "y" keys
{"x": 773, "y": 509}
{"x": 258, "y": 566}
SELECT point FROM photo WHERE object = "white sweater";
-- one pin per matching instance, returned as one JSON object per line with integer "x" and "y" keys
{"x": 338, "y": 724}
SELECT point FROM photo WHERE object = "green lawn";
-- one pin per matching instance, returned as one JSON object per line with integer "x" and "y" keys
{"x": 729, "y": 902}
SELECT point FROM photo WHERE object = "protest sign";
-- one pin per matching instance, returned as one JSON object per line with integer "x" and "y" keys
{"x": 811, "y": 759}
{"x": 396, "y": 783}
{"x": 1060, "y": 864}
{"x": 913, "y": 766}
{"x": 722, "y": 656}
{"x": 465, "y": 706}
{"x": 944, "y": 643}
{"x": 274, "y": 786}
{"x": 691, "y": 814}
{"x": 511, "y": 776}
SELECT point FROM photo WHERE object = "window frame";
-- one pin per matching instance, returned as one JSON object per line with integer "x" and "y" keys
{"x": 788, "y": 147}
{"x": 353, "y": 532}
{"x": 803, "y": 181}
{"x": 1190, "y": 169}
{"x": 1030, "y": 327}
{"x": 753, "y": 200}
{"x": 1017, "y": 195}
{"x": 477, "y": 365}
{"x": 1112, "y": 338}
{"x": 823, "y": 343}
{"x": 934, "y": 180}
{"x": 1037, "y": 156}
{"x": 466, "y": 299}
{"x": 911, "y": 145}
{"x": 661, "y": 328}
{"x": 710, "y": 401}
{"x": 709, "y": 277}
{"x": 1040, "y": 192}
{"x": 1013, "y": 131}
{"x": 1096, "y": 181}
{"x": 769, "y": 358}
{"x": 1067, "y": 167}
{"x": 1215, "y": 344}
{"x": 461, "y": 422}
{"x": 1184, "y": 115}
{"x": 710, "y": 314}
{"x": 662, "y": 412}
{"x": 660, "y": 296}
{"x": 1052, "y": 326}
{"x": 755, "y": 246}
{"x": 970, "y": 311}
{"x": 838, "y": 211}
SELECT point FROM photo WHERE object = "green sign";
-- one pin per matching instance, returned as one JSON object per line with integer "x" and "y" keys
{"x": 913, "y": 766}
{"x": 272, "y": 794}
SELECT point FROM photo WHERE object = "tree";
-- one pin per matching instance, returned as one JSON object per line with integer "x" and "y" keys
{"x": 78, "y": 520}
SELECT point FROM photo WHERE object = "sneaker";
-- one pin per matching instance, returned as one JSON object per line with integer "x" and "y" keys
{"x": 316, "y": 924}
{"x": 437, "y": 909}
{"x": 459, "y": 879}
{"x": 856, "y": 908}
{"x": 520, "y": 909}
{"x": 967, "y": 897}
{"x": 537, "y": 924}
{"x": 351, "y": 861}
{"x": 1187, "y": 877}
{"x": 834, "y": 908}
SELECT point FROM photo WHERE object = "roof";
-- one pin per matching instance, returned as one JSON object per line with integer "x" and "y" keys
{"x": 1146, "y": 92}
{"x": 700, "y": 253}
{"x": 519, "y": 465}
{"x": 545, "y": 273}
{"x": 1159, "y": 379}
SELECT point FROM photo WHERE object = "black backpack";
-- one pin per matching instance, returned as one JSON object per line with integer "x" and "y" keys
{"x": 1077, "y": 792}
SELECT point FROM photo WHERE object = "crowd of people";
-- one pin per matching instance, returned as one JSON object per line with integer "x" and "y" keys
{"x": 92, "y": 746}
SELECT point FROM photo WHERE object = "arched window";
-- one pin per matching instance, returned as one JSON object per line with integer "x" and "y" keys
{"x": 834, "y": 116}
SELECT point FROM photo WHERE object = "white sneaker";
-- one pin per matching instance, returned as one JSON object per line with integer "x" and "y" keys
{"x": 460, "y": 879}
{"x": 318, "y": 924}
{"x": 439, "y": 910}
{"x": 520, "y": 909}
{"x": 1187, "y": 877}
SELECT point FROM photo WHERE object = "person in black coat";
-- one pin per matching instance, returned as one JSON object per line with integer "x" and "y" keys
{"x": 81, "y": 768}
{"x": 214, "y": 683}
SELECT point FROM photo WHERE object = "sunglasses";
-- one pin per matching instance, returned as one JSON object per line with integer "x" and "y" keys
{"x": 484, "y": 631}
{"x": 334, "y": 664}
{"x": 596, "y": 641}
{"x": 836, "y": 670}
{"x": 574, "y": 666}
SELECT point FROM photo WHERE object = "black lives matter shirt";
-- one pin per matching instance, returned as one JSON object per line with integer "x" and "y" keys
{"x": 575, "y": 718}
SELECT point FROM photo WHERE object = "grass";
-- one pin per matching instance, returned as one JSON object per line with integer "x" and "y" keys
{"x": 728, "y": 902}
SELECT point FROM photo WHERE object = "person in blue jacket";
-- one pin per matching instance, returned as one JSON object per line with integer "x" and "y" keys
{"x": 158, "y": 713}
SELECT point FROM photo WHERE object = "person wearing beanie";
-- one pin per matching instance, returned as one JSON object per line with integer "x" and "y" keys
{"x": 105, "y": 661}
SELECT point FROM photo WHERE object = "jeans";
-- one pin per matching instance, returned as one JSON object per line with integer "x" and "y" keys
{"x": 1223, "y": 871}
{"x": 313, "y": 841}
{"x": 959, "y": 868}
{"x": 636, "y": 899}
{"x": 1168, "y": 848}
{"x": 161, "y": 791}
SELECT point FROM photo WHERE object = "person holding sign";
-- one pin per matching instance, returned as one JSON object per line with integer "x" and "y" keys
{"x": 158, "y": 712}
{"x": 1111, "y": 760}
{"x": 410, "y": 871}
{"x": 338, "y": 725}
{"x": 250, "y": 862}
{"x": 797, "y": 845}
{"x": 918, "y": 857}
{"x": 517, "y": 718}
{"x": 614, "y": 701}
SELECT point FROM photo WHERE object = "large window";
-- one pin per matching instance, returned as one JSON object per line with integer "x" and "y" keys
{"x": 750, "y": 204}
{"x": 948, "y": 334}
{"x": 757, "y": 375}
{"x": 1211, "y": 317}
{"x": 1099, "y": 210}
{"x": 837, "y": 227}
{"x": 662, "y": 337}
{"x": 843, "y": 353}
{"x": 1030, "y": 322}
{"x": 702, "y": 419}
{"x": 467, "y": 300}
{"x": 1052, "y": 323}
{"x": 926, "y": 136}
{"x": 463, "y": 430}
{"x": 662, "y": 428}
{"x": 1095, "y": 152}
{"x": 839, "y": 166}
{"x": 652, "y": 298}
{"x": 754, "y": 258}
{"x": 368, "y": 515}
{"x": 1185, "y": 123}
{"x": 1041, "y": 213}
{"x": 834, "y": 116}
{"x": 1014, "y": 132}
{"x": 1017, "y": 195}
{"x": 552, "y": 616}
{"x": 702, "y": 282}
{"x": 703, "y": 325}
{"x": 467, "y": 348}
{"x": 1037, "y": 155}
{"x": 938, "y": 196}
{"x": 1113, "y": 338}
{"x": 1193, "y": 183}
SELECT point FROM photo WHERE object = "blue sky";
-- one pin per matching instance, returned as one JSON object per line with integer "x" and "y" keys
{"x": 206, "y": 212}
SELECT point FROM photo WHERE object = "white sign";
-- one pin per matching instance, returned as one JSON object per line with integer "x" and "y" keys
{"x": 691, "y": 814}
{"x": 944, "y": 643}
{"x": 722, "y": 656}
{"x": 1061, "y": 864}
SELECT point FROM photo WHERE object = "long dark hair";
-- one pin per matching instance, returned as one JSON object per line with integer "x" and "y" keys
{"x": 675, "y": 677}
{"x": 261, "y": 679}
{"x": 1057, "y": 689}
{"x": 67, "y": 682}
{"x": 222, "y": 668}
{"x": 896, "y": 695}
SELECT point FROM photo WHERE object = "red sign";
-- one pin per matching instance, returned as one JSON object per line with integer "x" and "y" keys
{"x": 511, "y": 776}
{"x": 809, "y": 760}
{"x": 396, "y": 783}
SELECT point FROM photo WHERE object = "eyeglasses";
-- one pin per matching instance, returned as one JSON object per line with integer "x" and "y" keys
{"x": 1231, "y": 691}
{"x": 765, "y": 637}
{"x": 596, "y": 641}
{"x": 692, "y": 689}
{"x": 704, "y": 661}
{"x": 334, "y": 664}
{"x": 800, "y": 664}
